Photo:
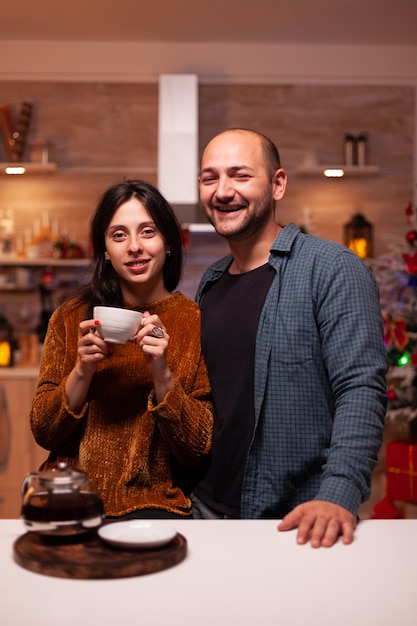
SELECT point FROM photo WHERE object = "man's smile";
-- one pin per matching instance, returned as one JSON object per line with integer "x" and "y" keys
{"x": 227, "y": 209}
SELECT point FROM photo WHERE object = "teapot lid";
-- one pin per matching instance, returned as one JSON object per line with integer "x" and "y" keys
{"x": 61, "y": 476}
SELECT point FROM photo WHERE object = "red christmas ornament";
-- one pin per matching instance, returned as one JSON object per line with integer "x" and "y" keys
{"x": 411, "y": 263}
{"x": 391, "y": 395}
{"x": 412, "y": 237}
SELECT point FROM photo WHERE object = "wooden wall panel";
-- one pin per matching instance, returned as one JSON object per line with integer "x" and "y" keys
{"x": 91, "y": 124}
{"x": 308, "y": 123}
{"x": 102, "y": 132}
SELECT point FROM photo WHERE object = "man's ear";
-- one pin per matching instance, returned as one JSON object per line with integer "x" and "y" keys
{"x": 279, "y": 184}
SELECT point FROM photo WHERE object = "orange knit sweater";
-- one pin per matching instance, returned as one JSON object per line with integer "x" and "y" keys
{"x": 121, "y": 438}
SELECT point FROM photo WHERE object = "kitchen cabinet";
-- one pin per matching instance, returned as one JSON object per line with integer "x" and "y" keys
{"x": 25, "y": 455}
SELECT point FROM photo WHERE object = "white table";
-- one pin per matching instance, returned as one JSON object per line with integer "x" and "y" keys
{"x": 236, "y": 573}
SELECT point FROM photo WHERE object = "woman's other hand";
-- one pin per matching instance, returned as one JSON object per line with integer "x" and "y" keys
{"x": 153, "y": 340}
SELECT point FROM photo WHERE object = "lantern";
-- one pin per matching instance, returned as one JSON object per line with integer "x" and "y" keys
{"x": 6, "y": 342}
{"x": 359, "y": 236}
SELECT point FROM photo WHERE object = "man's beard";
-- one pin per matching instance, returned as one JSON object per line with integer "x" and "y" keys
{"x": 249, "y": 227}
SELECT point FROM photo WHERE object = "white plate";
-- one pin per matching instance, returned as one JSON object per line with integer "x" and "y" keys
{"x": 136, "y": 534}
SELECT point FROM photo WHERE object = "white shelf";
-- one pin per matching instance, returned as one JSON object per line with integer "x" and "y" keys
{"x": 349, "y": 170}
{"x": 14, "y": 262}
{"x": 113, "y": 169}
{"x": 36, "y": 169}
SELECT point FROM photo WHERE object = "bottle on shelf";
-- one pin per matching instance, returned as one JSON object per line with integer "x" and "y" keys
{"x": 7, "y": 232}
{"x": 361, "y": 149}
{"x": 349, "y": 149}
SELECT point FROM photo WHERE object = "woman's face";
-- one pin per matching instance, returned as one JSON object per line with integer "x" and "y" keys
{"x": 137, "y": 252}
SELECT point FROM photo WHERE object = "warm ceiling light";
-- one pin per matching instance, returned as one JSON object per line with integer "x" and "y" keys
{"x": 334, "y": 173}
{"x": 15, "y": 169}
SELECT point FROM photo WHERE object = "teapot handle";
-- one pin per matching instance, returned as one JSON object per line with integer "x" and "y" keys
{"x": 27, "y": 482}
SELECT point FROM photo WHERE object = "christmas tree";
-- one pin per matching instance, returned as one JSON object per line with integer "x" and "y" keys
{"x": 396, "y": 274}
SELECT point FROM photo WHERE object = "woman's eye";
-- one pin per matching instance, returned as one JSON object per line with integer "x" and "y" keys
{"x": 148, "y": 232}
{"x": 118, "y": 236}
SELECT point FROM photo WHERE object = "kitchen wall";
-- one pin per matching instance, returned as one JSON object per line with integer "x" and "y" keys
{"x": 97, "y": 105}
{"x": 101, "y": 132}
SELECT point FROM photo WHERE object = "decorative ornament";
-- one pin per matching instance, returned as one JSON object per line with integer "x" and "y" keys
{"x": 391, "y": 394}
{"x": 409, "y": 210}
{"x": 411, "y": 262}
{"x": 395, "y": 333}
{"x": 15, "y": 133}
{"x": 385, "y": 509}
{"x": 411, "y": 237}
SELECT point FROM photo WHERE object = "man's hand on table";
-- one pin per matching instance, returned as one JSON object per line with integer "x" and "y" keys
{"x": 320, "y": 522}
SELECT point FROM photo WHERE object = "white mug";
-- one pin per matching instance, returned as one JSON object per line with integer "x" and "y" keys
{"x": 117, "y": 325}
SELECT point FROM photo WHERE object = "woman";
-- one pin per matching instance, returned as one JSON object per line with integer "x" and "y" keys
{"x": 127, "y": 415}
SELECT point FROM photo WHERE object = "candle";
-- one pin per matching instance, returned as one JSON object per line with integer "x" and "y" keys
{"x": 36, "y": 227}
{"x": 360, "y": 247}
{"x": 45, "y": 220}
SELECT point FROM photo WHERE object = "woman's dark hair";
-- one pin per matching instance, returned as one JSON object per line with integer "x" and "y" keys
{"x": 104, "y": 287}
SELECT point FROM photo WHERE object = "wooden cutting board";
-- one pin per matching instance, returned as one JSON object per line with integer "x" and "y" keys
{"x": 92, "y": 557}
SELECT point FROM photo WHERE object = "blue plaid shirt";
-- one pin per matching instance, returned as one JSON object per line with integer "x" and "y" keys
{"x": 320, "y": 391}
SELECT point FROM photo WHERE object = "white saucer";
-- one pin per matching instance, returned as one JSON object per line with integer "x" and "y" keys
{"x": 136, "y": 534}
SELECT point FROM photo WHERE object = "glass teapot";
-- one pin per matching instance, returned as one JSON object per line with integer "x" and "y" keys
{"x": 60, "y": 502}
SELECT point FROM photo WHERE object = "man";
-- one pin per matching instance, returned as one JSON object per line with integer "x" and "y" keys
{"x": 293, "y": 339}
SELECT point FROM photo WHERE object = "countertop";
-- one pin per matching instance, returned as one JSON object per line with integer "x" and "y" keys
{"x": 242, "y": 573}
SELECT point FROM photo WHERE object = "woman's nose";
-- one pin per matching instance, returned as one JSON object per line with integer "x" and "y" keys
{"x": 135, "y": 245}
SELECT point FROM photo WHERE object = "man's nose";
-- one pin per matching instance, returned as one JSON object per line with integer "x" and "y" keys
{"x": 224, "y": 189}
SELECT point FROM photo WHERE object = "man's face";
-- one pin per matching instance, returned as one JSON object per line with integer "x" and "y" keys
{"x": 236, "y": 191}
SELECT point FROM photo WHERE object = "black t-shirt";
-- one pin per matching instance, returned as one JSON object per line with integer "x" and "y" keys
{"x": 230, "y": 314}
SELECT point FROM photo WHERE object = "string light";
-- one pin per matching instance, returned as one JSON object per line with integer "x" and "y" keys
{"x": 404, "y": 360}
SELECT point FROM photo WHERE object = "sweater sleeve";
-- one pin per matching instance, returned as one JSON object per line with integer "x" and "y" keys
{"x": 52, "y": 421}
{"x": 185, "y": 417}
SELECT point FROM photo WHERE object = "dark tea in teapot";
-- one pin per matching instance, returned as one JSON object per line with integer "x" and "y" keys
{"x": 60, "y": 502}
